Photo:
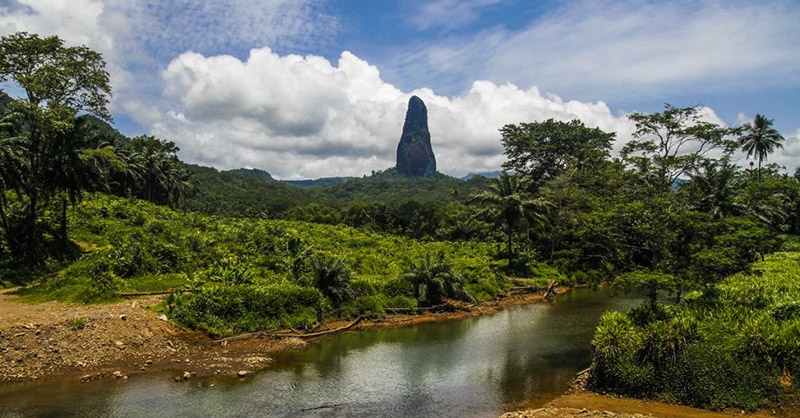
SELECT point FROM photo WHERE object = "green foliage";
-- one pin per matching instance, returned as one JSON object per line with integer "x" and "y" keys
{"x": 726, "y": 348}
{"x": 671, "y": 143}
{"x": 76, "y": 324}
{"x": 224, "y": 310}
{"x": 139, "y": 246}
{"x": 760, "y": 140}
{"x": 649, "y": 281}
{"x": 332, "y": 277}
{"x": 543, "y": 150}
{"x": 433, "y": 280}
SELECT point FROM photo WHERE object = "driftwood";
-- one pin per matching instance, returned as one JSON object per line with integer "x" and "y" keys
{"x": 330, "y": 405}
{"x": 321, "y": 333}
{"x": 160, "y": 292}
{"x": 550, "y": 294}
{"x": 429, "y": 308}
{"x": 288, "y": 335}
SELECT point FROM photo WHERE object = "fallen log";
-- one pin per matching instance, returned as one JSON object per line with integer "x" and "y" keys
{"x": 156, "y": 293}
{"x": 288, "y": 335}
{"x": 330, "y": 405}
{"x": 318, "y": 334}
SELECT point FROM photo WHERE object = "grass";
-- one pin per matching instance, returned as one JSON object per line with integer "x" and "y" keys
{"x": 76, "y": 324}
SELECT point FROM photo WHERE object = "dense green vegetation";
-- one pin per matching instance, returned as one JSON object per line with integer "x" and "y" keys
{"x": 728, "y": 346}
{"x": 237, "y": 274}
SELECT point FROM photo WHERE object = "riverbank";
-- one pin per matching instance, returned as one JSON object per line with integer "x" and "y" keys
{"x": 88, "y": 342}
{"x": 583, "y": 403}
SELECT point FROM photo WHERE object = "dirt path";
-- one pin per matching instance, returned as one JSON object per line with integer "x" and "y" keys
{"x": 40, "y": 340}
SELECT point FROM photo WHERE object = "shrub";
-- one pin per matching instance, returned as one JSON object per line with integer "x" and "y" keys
{"x": 332, "y": 277}
{"x": 433, "y": 280}
{"x": 224, "y": 310}
{"x": 364, "y": 306}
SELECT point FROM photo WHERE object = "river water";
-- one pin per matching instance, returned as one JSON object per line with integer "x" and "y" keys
{"x": 519, "y": 357}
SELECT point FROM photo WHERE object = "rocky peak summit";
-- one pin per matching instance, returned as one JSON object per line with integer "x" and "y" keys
{"x": 414, "y": 153}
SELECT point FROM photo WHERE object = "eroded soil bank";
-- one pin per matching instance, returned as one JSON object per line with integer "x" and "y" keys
{"x": 39, "y": 341}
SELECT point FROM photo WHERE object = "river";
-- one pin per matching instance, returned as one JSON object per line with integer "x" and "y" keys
{"x": 519, "y": 357}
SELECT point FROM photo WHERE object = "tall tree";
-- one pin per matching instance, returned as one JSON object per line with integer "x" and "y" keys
{"x": 12, "y": 164}
{"x": 542, "y": 150}
{"x": 760, "y": 140}
{"x": 58, "y": 82}
{"x": 509, "y": 203}
{"x": 672, "y": 143}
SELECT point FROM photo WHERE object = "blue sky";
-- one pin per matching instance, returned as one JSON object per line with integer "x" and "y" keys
{"x": 311, "y": 88}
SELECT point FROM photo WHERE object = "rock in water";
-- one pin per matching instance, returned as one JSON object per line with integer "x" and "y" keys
{"x": 414, "y": 153}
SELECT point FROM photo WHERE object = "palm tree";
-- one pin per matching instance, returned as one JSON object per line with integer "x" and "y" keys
{"x": 761, "y": 139}
{"x": 12, "y": 163}
{"x": 433, "y": 280}
{"x": 508, "y": 203}
{"x": 714, "y": 186}
{"x": 66, "y": 172}
{"x": 332, "y": 277}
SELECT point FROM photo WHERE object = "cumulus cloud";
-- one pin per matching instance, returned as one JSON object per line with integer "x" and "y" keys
{"x": 789, "y": 156}
{"x": 138, "y": 37}
{"x": 306, "y": 117}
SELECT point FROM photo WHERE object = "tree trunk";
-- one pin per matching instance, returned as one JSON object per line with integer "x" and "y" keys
{"x": 759, "y": 169}
{"x": 31, "y": 242}
{"x": 653, "y": 294}
{"x": 64, "y": 218}
{"x": 510, "y": 254}
{"x": 5, "y": 220}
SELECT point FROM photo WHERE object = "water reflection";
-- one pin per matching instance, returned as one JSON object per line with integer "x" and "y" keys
{"x": 475, "y": 367}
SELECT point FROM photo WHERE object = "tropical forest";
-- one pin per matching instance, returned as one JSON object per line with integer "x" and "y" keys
{"x": 648, "y": 270}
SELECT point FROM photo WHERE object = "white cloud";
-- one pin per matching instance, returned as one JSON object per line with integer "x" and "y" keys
{"x": 789, "y": 156}
{"x": 305, "y": 117}
{"x": 623, "y": 50}
{"x": 449, "y": 14}
{"x": 138, "y": 37}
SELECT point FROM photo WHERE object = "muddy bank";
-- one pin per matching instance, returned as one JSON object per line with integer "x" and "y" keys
{"x": 117, "y": 340}
{"x": 581, "y": 402}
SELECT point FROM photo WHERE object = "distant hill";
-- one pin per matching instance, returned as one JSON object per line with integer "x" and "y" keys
{"x": 391, "y": 186}
{"x": 319, "y": 182}
{"x": 487, "y": 174}
{"x": 242, "y": 192}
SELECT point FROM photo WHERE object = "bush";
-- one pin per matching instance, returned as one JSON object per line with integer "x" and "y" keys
{"x": 433, "y": 280}
{"x": 728, "y": 347}
{"x": 332, "y": 277}
{"x": 224, "y": 310}
{"x": 365, "y": 306}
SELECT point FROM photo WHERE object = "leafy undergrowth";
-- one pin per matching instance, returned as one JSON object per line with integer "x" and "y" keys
{"x": 736, "y": 345}
{"x": 236, "y": 274}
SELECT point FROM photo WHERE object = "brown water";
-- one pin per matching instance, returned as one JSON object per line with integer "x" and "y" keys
{"x": 521, "y": 356}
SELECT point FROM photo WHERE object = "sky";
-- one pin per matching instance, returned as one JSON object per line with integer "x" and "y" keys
{"x": 319, "y": 88}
